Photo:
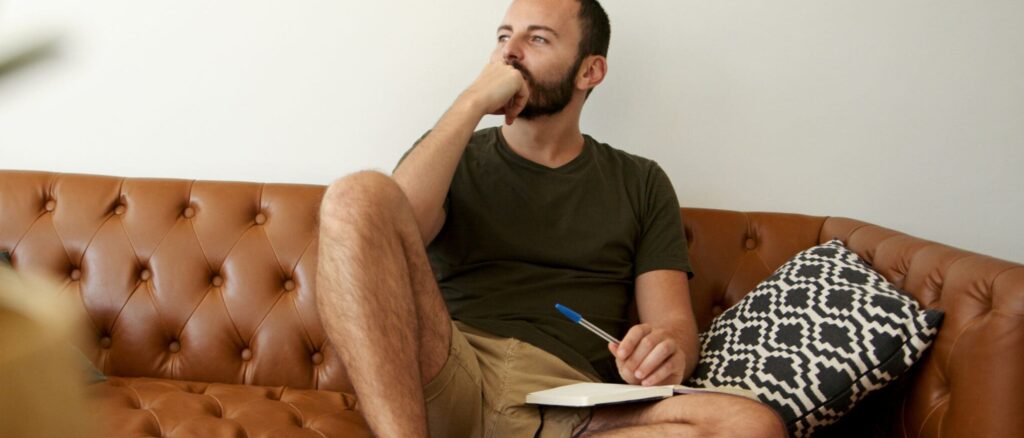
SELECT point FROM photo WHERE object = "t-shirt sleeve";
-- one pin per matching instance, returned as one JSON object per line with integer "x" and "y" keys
{"x": 662, "y": 242}
{"x": 447, "y": 198}
{"x": 406, "y": 154}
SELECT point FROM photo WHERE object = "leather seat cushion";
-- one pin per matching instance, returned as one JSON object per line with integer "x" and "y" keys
{"x": 160, "y": 407}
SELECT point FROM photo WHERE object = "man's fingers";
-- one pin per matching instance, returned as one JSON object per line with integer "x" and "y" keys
{"x": 632, "y": 338}
{"x": 643, "y": 349}
{"x": 665, "y": 373}
{"x": 658, "y": 356}
{"x": 518, "y": 102}
{"x": 627, "y": 375}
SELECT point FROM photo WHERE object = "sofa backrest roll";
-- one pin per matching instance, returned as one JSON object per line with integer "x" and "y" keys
{"x": 191, "y": 280}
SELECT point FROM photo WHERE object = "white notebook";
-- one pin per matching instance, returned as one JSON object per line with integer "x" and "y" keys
{"x": 593, "y": 394}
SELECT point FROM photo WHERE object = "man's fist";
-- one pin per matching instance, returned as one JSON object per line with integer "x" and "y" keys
{"x": 500, "y": 89}
{"x": 649, "y": 356}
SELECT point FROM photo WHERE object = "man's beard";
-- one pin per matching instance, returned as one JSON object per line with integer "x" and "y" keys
{"x": 548, "y": 98}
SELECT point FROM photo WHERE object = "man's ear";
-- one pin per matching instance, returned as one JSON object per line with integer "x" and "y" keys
{"x": 592, "y": 72}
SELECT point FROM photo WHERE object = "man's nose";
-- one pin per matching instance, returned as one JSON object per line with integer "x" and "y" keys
{"x": 512, "y": 51}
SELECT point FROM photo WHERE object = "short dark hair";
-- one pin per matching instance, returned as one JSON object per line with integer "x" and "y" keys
{"x": 596, "y": 30}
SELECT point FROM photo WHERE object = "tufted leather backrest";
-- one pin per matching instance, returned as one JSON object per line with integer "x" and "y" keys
{"x": 968, "y": 384}
{"x": 213, "y": 281}
{"x": 207, "y": 281}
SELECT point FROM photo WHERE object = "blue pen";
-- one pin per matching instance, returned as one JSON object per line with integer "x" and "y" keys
{"x": 575, "y": 317}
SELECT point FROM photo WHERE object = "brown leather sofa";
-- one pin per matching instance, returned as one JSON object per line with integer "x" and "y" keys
{"x": 200, "y": 298}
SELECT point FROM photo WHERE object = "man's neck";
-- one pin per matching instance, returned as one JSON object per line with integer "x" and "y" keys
{"x": 550, "y": 141}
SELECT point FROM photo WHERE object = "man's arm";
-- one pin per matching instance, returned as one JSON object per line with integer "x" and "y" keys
{"x": 426, "y": 173}
{"x": 663, "y": 347}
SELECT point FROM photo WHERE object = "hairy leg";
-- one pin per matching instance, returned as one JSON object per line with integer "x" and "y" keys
{"x": 689, "y": 415}
{"x": 379, "y": 302}
{"x": 658, "y": 430}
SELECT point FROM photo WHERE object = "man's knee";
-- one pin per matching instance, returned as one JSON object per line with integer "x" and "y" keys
{"x": 368, "y": 197}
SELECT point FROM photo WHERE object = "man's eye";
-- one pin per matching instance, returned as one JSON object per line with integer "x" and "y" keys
{"x": 502, "y": 38}
{"x": 540, "y": 39}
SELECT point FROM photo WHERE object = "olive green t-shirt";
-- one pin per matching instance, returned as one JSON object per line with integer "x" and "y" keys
{"x": 520, "y": 237}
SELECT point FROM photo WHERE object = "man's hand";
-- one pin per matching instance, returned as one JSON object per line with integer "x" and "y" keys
{"x": 649, "y": 356}
{"x": 500, "y": 89}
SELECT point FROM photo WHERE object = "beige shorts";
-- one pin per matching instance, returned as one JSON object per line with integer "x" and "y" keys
{"x": 481, "y": 390}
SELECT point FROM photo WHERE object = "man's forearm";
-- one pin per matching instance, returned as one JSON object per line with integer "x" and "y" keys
{"x": 426, "y": 173}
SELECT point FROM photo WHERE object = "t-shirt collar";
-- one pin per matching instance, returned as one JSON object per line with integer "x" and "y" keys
{"x": 578, "y": 162}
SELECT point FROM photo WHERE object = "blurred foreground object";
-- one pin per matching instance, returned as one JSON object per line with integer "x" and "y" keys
{"x": 41, "y": 383}
{"x": 24, "y": 46}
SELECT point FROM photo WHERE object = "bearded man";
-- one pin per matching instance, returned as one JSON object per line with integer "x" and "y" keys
{"x": 438, "y": 283}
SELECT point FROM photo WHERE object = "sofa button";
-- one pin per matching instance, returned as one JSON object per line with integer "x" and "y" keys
{"x": 289, "y": 285}
{"x": 189, "y": 212}
{"x": 750, "y": 243}
{"x": 217, "y": 281}
{"x": 318, "y": 358}
{"x": 174, "y": 347}
{"x": 105, "y": 342}
{"x": 76, "y": 274}
{"x": 261, "y": 219}
{"x": 246, "y": 354}
{"x": 119, "y": 210}
{"x": 716, "y": 310}
{"x": 51, "y": 205}
{"x": 145, "y": 275}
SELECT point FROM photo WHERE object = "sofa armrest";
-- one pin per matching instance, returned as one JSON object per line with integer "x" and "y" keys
{"x": 969, "y": 384}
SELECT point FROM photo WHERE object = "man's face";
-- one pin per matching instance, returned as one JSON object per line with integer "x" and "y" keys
{"x": 540, "y": 38}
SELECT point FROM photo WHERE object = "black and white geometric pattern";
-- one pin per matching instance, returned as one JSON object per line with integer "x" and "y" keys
{"x": 816, "y": 337}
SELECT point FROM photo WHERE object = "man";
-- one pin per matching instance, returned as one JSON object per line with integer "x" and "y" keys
{"x": 515, "y": 220}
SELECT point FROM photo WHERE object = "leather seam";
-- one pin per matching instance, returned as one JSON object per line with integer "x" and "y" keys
{"x": 856, "y": 229}
{"x": 231, "y": 320}
{"x": 53, "y": 223}
{"x": 930, "y": 413}
{"x": 85, "y": 249}
{"x": 273, "y": 250}
{"x": 974, "y": 321}
{"x": 193, "y": 311}
{"x": 302, "y": 325}
{"x": 128, "y": 237}
{"x": 302, "y": 418}
{"x": 27, "y": 230}
{"x": 277, "y": 257}
{"x": 264, "y": 318}
{"x": 147, "y": 409}
{"x": 223, "y": 412}
{"x": 159, "y": 318}
{"x": 298, "y": 314}
{"x": 192, "y": 225}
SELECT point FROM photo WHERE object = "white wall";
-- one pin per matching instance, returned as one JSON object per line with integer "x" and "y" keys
{"x": 908, "y": 114}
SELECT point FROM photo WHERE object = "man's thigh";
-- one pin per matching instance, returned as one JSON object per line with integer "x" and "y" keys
{"x": 707, "y": 414}
{"x": 376, "y": 210}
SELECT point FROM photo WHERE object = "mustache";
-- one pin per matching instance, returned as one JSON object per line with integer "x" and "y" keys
{"x": 522, "y": 69}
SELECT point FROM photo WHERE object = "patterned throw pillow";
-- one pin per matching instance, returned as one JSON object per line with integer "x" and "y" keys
{"x": 815, "y": 337}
